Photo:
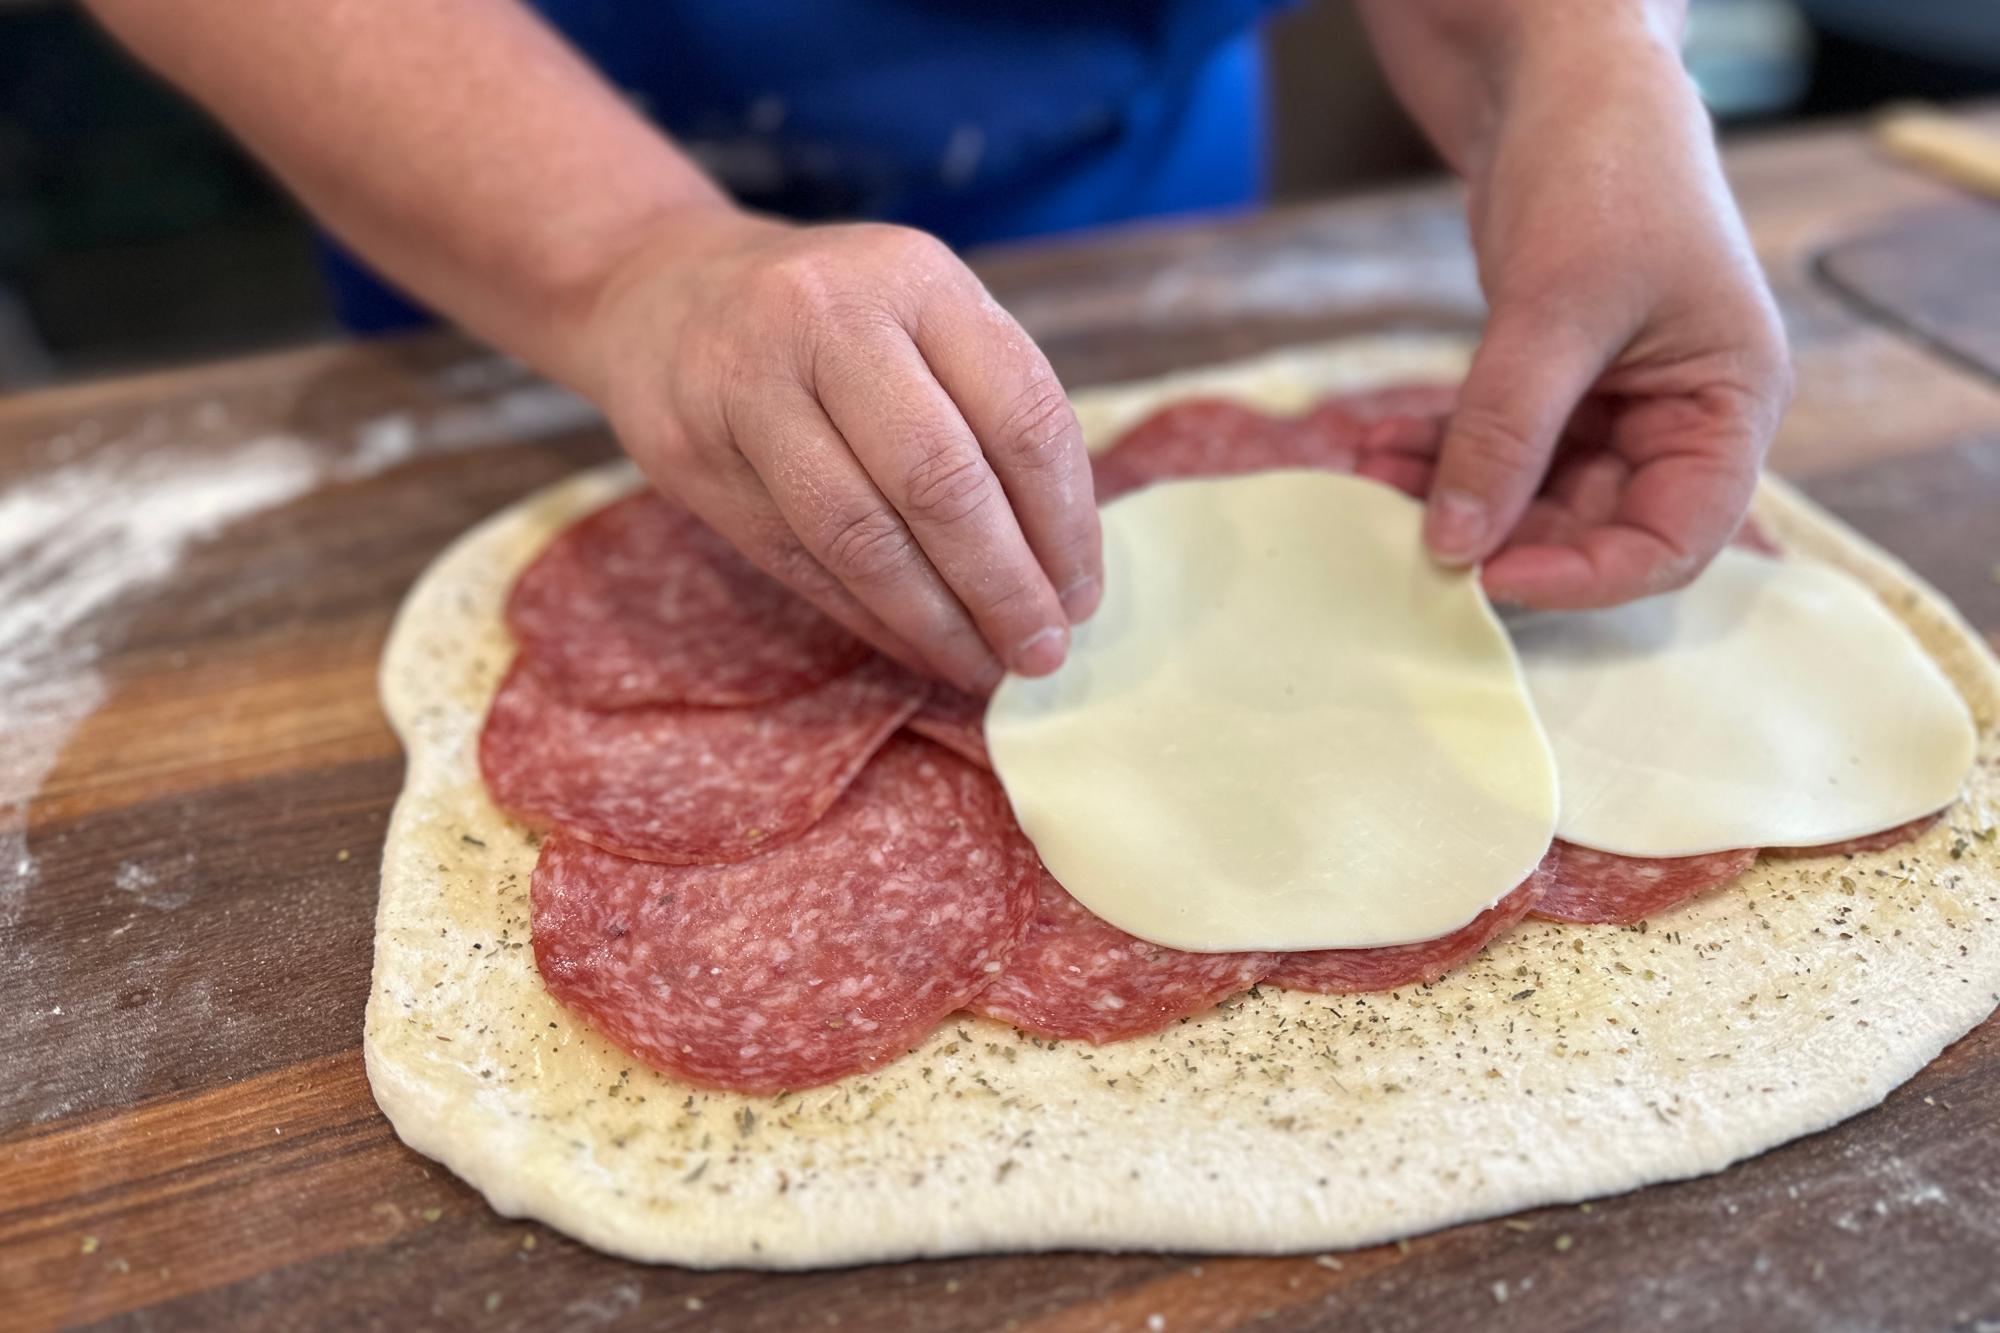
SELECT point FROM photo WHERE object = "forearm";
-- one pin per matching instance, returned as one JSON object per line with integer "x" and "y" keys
{"x": 459, "y": 145}
{"x": 1456, "y": 64}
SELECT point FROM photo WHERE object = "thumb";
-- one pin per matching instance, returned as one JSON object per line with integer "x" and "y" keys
{"x": 1526, "y": 378}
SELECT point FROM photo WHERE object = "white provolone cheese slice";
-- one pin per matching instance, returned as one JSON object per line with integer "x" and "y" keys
{"x": 1285, "y": 728}
{"x": 1772, "y": 703}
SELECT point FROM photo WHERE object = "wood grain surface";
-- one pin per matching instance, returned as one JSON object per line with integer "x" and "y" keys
{"x": 186, "y": 899}
{"x": 1910, "y": 271}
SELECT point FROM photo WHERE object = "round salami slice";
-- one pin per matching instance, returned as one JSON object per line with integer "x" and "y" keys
{"x": 955, "y": 720}
{"x": 686, "y": 785}
{"x": 1077, "y": 976}
{"x": 1602, "y": 888}
{"x": 1211, "y": 437}
{"x": 1327, "y": 438}
{"x": 1347, "y": 971}
{"x": 823, "y": 958}
{"x": 1196, "y": 437}
{"x": 1424, "y": 402}
{"x": 642, "y": 603}
{"x": 1870, "y": 842}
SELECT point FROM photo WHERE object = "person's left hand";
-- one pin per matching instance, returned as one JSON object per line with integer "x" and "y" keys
{"x": 1608, "y": 437}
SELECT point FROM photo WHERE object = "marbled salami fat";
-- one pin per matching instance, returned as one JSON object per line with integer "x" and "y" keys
{"x": 1346, "y": 971}
{"x": 1870, "y": 842}
{"x": 642, "y": 603}
{"x": 822, "y": 958}
{"x": 1603, "y": 888}
{"x": 1077, "y": 976}
{"x": 955, "y": 720}
{"x": 686, "y": 785}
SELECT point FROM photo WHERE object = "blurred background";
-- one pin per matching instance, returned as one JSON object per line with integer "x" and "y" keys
{"x": 133, "y": 233}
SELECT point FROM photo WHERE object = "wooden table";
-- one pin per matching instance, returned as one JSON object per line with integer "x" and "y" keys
{"x": 186, "y": 1136}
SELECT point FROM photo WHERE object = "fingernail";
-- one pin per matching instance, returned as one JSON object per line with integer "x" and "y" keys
{"x": 1455, "y": 525}
{"x": 1081, "y": 597}
{"x": 1041, "y": 652}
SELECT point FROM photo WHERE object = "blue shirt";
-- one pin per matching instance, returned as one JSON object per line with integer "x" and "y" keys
{"x": 978, "y": 120}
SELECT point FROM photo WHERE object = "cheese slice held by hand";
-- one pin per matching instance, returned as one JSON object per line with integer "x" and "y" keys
{"x": 1771, "y": 703}
{"x": 1285, "y": 728}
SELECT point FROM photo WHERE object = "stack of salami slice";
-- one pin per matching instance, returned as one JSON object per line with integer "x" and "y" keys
{"x": 774, "y": 858}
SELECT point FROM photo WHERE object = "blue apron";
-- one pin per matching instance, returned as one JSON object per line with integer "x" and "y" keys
{"x": 978, "y": 120}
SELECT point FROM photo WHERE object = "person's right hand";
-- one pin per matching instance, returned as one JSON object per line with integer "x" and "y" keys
{"x": 850, "y": 408}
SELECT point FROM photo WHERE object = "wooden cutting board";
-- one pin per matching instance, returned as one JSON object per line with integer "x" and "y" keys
{"x": 1921, "y": 272}
{"x": 186, "y": 1137}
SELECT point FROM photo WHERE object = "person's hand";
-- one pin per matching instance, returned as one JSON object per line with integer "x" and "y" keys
{"x": 850, "y": 408}
{"x": 1608, "y": 437}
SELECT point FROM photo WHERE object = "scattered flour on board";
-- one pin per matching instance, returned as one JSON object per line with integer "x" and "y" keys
{"x": 76, "y": 541}
{"x": 1304, "y": 280}
{"x": 525, "y": 412}
{"x": 1430, "y": 264}
{"x": 73, "y": 543}
{"x": 1307, "y": 283}
{"x": 143, "y": 883}
{"x": 79, "y": 541}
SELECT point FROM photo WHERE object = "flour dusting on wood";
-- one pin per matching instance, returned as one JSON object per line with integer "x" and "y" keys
{"x": 77, "y": 542}
{"x": 75, "y": 547}
{"x": 109, "y": 519}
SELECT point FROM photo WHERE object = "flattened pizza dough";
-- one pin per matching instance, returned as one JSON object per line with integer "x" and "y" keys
{"x": 1279, "y": 1122}
{"x": 1285, "y": 728}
